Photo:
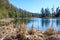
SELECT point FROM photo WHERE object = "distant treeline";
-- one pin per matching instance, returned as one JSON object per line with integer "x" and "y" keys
{"x": 46, "y": 13}
{"x": 7, "y": 10}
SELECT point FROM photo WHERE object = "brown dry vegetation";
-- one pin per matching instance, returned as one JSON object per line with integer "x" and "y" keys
{"x": 22, "y": 33}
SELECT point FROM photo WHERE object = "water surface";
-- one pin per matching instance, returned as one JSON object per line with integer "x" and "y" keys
{"x": 43, "y": 23}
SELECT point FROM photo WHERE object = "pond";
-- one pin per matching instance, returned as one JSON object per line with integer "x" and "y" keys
{"x": 43, "y": 23}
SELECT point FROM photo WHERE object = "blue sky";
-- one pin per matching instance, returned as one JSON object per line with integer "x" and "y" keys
{"x": 35, "y": 5}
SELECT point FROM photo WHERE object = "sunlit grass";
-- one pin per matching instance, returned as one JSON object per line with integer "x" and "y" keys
{"x": 22, "y": 33}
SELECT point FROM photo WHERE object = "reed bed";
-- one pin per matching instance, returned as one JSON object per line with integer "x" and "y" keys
{"x": 22, "y": 33}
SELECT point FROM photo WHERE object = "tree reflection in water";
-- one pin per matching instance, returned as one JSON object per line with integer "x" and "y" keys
{"x": 45, "y": 22}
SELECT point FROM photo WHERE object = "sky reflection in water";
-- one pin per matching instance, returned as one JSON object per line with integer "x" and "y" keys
{"x": 44, "y": 23}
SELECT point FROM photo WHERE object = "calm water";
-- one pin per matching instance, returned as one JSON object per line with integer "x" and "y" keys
{"x": 44, "y": 23}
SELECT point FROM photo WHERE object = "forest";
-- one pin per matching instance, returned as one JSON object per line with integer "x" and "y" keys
{"x": 9, "y": 10}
